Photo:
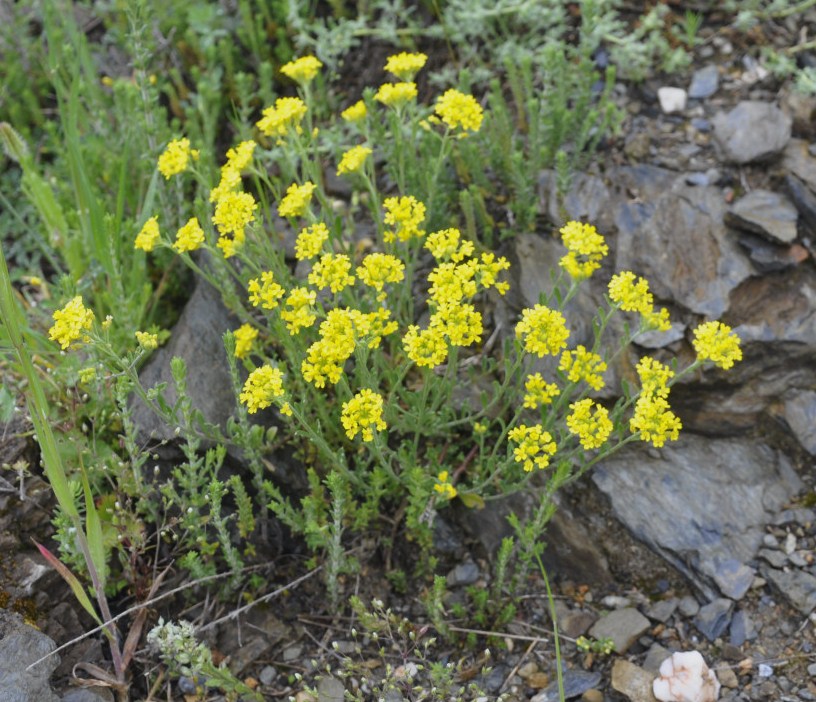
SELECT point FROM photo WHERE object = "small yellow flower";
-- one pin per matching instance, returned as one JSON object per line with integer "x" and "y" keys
{"x": 230, "y": 247}
{"x": 459, "y": 110}
{"x": 535, "y": 446}
{"x": 302, "y": 70}
{"x": 542, "y": 331}
{"x": 716, "y": 342}
{"x": 245, "y": 335}
{"x": 444, "y": 486}
{"x": 404, "y": 65}
{"x": 427, "y": 347}
{"x": 538, "y": 391}
{"x": 332, "y": 271}
{"x": 479, "y": 428}
{"x": 298, "y": 309}
{"x": 71, "y": 323}
{"x": 363, "y": 413}
{"x": 87, "y": 375}
{"x": 379, "y": 324}
{"x": 657, "y": 320}
{"x": 396, "y": 94}
{"x": 147, "y": 340}
{"x": 654, "y": 377}
{"x": 377, "y": 269}
{"x": 460, "y": 323}
{"x": 262, "y": 387}
{"x": 148, "y": 236}
{"x": 583, "y": 365}
{"x": 35, "y": 280}
{"x": 190, "y": 237}
{"x": 264, "y": 291}
{"x": 239, "y": 157}
{"x": 654, "y": 421}
{"x": 353, "y": 160}
{"x": 590, "y": 422}
{"x": 586, "y": 249}
{"x": 631, "y": 293}
{"x": 310, "y": 241}
{"x": 356, "y": 113}
{"x": 445, "y": 245}
{"x": 451, "y": 283}
{"x": 233, "y": 212}
{"x": 296, "y": 200}
{"x": 287, "y": 114}
{"x": 406, "y": 214}
{"x": 176, "y": 157}
{"x": 488, "y": 271}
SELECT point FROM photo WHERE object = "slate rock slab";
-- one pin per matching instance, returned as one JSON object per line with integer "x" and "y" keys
{"x": 632, "y": 681}
{"x": 704, "y": 82}
{"x": 623, "y": 626}
{"x": 20, "y": 646}
{"x": 713, "y": 619}
{"x": 763, "y": 212}
{"x": 701, "y": 503}
{"x": 796, "y": 586}
{"x": 752, "y": 131}
{"x": 576, "y": 682}
{"x": 800, "y": 414}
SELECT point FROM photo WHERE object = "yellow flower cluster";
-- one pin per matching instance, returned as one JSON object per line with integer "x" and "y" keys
{"x": 310, "y": 241}
{"x": 446, "y": 245}
{"x": 535, "y": 446}
{"x": 263, "y": 386}
{"x": 338, "y": 333}
{"x": 238, "y": 159}
{"x": 265, "y": 292}
{"x": 176, "y": 157}
{"x": 444, "y": 486}
{"x": 585, "y": 250}
{"x": 363, "y": 414}
{"x": 652, "y": 418}
{"x": 404, "y": 65}
{"x": 332, "y": 271}
{"x": 356, "y": 113}
{"x": 245, "y": 336}
{"x": 148, "y": 236}
{"x": 298, "y": 309}
{"x": 583, "y": 365}
{"x": 716, "y": 342}
{"x": 590, "y": 422}
{"x": 452, "y": 282}
{"x": 459, "y": 110}
{"x": 461, "y": 324}
{"x": 287, "y": 114}
{"x": 233, "y": 211}
{"x": 542, "y": 331}
{"x": 405, "y": 214}
{"x": 296, "y": 200}
{"x": 71, "y": 323}
{"x": 631, "y": 294}
{"x": 190, "y": 237}
{"x": 487, "y": 272}
{"x": 302, "y": 70}
{"x": 425, "y": 347}
{"x": 538, "y": 391}
{"x": 396, "y": 94}
{"x": 353, "y": 160}
{"x": 377, "y": 269}
{"x": 147, "y": 340}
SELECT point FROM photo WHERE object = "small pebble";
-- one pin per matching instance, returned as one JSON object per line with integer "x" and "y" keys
{"x": 790, "y": 544}
{"x": 672, "y": 99}
{"x": 764, "y": 670}
{"x": 770, "y": 541}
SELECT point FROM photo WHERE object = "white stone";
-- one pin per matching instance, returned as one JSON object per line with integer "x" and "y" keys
{"x": 672, "y": 99}
{"x": 685, "y": 677}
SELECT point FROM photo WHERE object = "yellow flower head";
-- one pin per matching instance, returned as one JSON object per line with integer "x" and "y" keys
{"x": 654, "y": 420}
{"x": 353, "y": 160}
{"x": 264, "y": 291}
{"x": 239, "y": 157}
{"x": 427, "y": 347}
{"x": 631, "y": 293}
{"x": 262, "y": 387}
{"x": 71, "y": 323}
{"x": 590, "y": 422}
{"x": 363, "y": 413}
{"x": 379, "y": 324}
{"x": 488, "y": 271}
{"x": 656, "y": 320}
{"x": 444, "y": 245}
{"x": 332, "y": 271}
{"x": 404, "y": 65}
{"x": 535, "y": 446}
{"x": 452, "y": 282}
{"x": 654, "y": 377}
{"x": 583, "y": 365}
{"x": 233, "y": 212}
{"x": 539, "y": 392}
{"x": 148, "y": 236}
{"x": 460, "y": 323}
{"x": 245, "y": 335}
{"x": 542, "y": 331}
{"x": 298, "y": 309}
{"x": 176, "y": 157}
{"x": 586, "y": 248}
{"x": 444, "y": 486}
{"x": 406, "y": 214}
{"x": 296, "y": 200}
{"x": 147, "y": 340}
{"x": 230, "y": 246}
{"x": 356, "y": 113}
{"x": 310, "y": 241}
{"x": 396, "y": 94}
{"x": 716, "y": 342}
{"x": 302, "y": 70}
{"x": 377, "y": 269}
{"x": 190, "y": 237}
{"x": 287, "y": 114}
{"x": 459, "y": 110}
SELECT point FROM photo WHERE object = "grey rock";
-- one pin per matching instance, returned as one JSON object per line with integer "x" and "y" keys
{"x": 674, "y": 235}
{"x": 576, "y": 623}
{"x": 770, "y": 540}
{"x": 713, "y": 619}
{"x": 445, "y": 537}
{"x": 799, "y": 515}
{"x": 465, "y": 573}
{"x": 776, "y": 558}
{"x": 704, "y": 82}
{"x": 803, "y": 198}
{"x": 796, "y": 586}
{"x": 587, "y": 200}
{"x": 798, "y": 160}
{"x": 672, "y": 99}
{"x": 268, "y": 675}
{"x": 576, "y": 683}
{"x": 811, "y": 669}
{"x": 662, "y": 610}
{"x": 742, "y": 628}
{"x": 330, "y": 690}
{"x": 700, "y": 503}
{"x": 655, "y": 657}
{"x": 768, "y": 257}
{"x": 752, "y": 131}
{"x": 20, "y": 646}
{"x": 251, "y": 638}
{"x": 790, "y": 543}
{"x": 701, "y": 124}
{"x": 88, "y": 694}
{"x": 661, "y": 339}
{"x": 765, "y": 213}
{"x": 495, "y": 678}
{"x": 800, "y": 414}
{"x": 632, "y": 681}
{"x": 688, "y": 606}
{"x": 623, "y": 626}
{"x": 727, "y": 677}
